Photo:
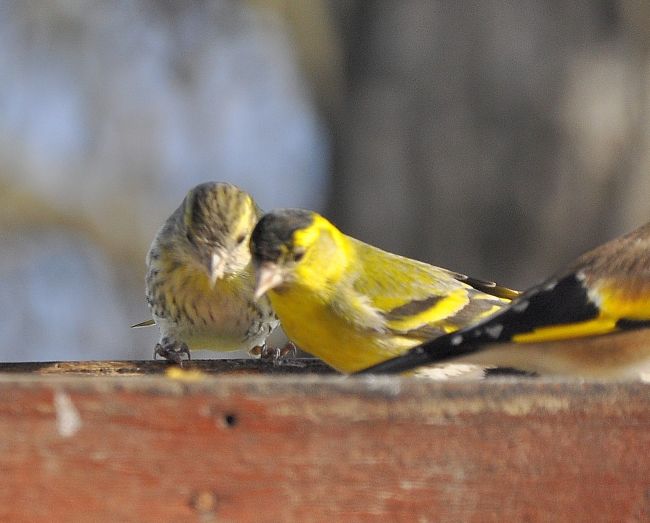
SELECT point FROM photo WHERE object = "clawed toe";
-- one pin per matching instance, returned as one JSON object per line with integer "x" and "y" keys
{"x": 172, "y": 352}
{"x": 276, "y": 355}
{"x": 288, "y": 351}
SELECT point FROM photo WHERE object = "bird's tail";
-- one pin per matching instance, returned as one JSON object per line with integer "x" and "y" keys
{"x": 435, "y": 351}
{"x": 147, "y": 323}
{"x": 488, "y": 287}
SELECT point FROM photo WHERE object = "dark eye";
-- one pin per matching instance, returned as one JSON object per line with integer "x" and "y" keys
{"x": 190, "y": 237}
{"x": 297, "y": 256}
{"x": 240, "y": 239}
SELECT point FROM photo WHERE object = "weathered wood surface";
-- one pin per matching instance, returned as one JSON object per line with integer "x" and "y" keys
{"x": 139, "y": 367}
{"x": 197, "y": 447}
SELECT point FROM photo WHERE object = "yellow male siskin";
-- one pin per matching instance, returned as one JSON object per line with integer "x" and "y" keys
{"x": 200, "y": 281}
{"x": 352, "y": 304}
{"x": 591, "y": 320}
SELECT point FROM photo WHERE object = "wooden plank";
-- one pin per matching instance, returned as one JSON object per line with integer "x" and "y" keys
{"x": 321, "y": 448}
{"x": 140, "y": 367}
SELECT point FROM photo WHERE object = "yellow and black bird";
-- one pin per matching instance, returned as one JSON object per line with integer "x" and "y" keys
{"x": 200, "y": 281}
{"x": 591, "y": 320}
{"x": 351, "y": 304}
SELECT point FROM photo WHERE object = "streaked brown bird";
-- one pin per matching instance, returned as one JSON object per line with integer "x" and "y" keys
{"x": 200, "y": 281}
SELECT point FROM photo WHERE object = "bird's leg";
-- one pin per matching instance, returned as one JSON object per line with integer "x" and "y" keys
{"x": 288, "y": 351}
{"x": 172, "y": 350}
{"x": 276, "y": 355}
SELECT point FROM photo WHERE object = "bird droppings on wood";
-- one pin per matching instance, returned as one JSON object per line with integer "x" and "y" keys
{"x": 68, "y": 420}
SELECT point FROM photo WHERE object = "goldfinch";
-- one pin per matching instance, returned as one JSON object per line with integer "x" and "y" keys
{"x": 200, "y": 281}
{"x": 352, "y": 304}
{"x": 591, "y": 320}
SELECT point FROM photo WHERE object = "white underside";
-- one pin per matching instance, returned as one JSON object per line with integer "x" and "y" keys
{"x": 623, "y": 355}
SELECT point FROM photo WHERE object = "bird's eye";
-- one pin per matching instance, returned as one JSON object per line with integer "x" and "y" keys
{"x": 190, "y": 237}
{"x": 297, "y": 256}
{"x": 240, "y": 239}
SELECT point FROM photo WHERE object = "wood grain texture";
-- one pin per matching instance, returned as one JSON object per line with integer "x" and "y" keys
{"x": 321, "y": 448}
{"x": 139, "y": 367}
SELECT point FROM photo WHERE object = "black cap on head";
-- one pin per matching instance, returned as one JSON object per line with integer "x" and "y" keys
{"x": 275, "y": 229}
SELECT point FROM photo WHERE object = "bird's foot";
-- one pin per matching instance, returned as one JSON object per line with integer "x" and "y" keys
{"x": 277, "y": 355}
{"x": 172, "y": 350}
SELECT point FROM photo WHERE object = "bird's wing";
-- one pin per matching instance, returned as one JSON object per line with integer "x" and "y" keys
{"x": 559, "y": 308}
{"x": 603, "y": 291}
{"x": 412, "y": 299}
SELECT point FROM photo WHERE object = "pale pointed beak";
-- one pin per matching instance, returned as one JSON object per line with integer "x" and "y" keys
{"x": 217, "y": 268}
{"x": 267, "y": 276}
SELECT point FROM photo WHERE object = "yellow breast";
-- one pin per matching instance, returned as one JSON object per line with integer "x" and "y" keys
{"x": 316, "y": 328}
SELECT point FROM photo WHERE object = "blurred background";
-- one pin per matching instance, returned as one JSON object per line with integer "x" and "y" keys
{"x": 499, "y": 139}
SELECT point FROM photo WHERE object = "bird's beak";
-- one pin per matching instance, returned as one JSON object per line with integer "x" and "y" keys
{"x": 267, "y": 276}
{"x": 217, "y": 267}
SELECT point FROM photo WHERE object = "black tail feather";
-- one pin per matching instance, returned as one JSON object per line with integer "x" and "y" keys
{"x": 439, "y": 350}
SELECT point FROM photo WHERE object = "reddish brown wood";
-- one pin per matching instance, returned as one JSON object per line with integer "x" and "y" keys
{"x": 322, "y": 448}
